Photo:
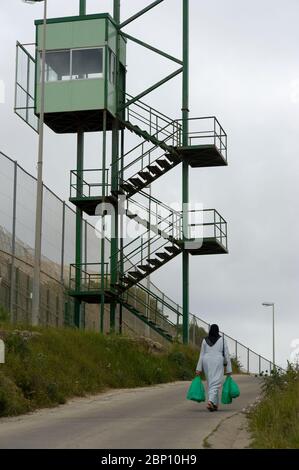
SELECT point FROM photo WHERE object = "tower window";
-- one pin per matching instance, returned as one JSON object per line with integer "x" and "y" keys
{"x": 58, "y": 64}
{"x": 87, "y": 63}
{"x": 74, "y": 64}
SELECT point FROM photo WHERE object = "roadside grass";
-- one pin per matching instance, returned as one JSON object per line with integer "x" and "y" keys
{"x": 274, "y": 421}
{"x": 46, "y": 366}
{"x": 52, "y": 365}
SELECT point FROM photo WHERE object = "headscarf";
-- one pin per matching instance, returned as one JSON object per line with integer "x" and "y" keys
{"x": 213, "y": 335}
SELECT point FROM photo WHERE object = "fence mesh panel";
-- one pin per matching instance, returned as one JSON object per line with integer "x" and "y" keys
{"x": 58, "y": 253}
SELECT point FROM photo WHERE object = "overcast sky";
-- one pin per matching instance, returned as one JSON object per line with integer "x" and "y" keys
{"x": 244, "y": 68}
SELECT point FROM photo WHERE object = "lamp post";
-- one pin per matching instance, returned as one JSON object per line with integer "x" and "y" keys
{"x": 39, "y": 193}
{"x": 271, "y": 304}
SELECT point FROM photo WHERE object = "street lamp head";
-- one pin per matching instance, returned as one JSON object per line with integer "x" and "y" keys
{"x": 31, "y": 2}
{"x": 268, "y": 304}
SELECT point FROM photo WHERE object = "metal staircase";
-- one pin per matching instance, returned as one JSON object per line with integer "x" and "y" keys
{"x": 149, "y": 309}
{"x": 162, "y": 239}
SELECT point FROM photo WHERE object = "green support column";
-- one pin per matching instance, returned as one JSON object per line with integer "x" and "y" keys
{"x": 121, "y": 230}
{"x": 103, "y": 273}
{"x": 114, "y": 175}
{"x": 114, "y": 224}
{"x": 185, "y": 111}
{"x": 82, "y": 8}
{"x": 79, "y": 225}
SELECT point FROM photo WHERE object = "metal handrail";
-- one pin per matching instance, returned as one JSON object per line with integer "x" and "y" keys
{"x": 77, "y": 174}
{"x": 148, "y": 151}
{"x": 150, "y": 107}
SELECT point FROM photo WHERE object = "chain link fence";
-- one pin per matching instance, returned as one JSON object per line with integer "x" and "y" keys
{"x": 17, "y": 231}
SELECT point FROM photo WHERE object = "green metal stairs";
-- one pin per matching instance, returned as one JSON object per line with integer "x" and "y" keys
{"x": 150, "y": 173}
{"x": 162, "y": 240}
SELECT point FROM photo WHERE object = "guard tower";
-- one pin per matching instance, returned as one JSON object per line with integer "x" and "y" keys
{"x": 85, "y": 91}
{"x": 80, "y": 72}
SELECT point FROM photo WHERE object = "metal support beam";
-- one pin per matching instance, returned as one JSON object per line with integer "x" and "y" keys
{"x": 62, "y": 243}
{"x": 121, "y": 228}
{"x": 114, "y": 173}
{"x": 82, "y": 8}
{"x": 13, "y": 246}
{"x": 153, "y": 49}
{"x": 152, "y": 88}
{"x": 39, "y": 192}
{"x": 104, "y": 148}
{"x": 116, "y": 11}
{"x": 79, "y": 225}
{"x": 114, "y": 219}
{"x": 185, "y": 175}
{"x": 140, "y": 13}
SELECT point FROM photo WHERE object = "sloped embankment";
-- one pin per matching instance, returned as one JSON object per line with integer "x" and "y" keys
{"x": 46, "y": 367}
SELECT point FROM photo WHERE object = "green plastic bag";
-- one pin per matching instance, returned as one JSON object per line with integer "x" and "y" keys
{"x": 230, "y": 390}
{"x": 234, "y": 389}
{"x": 196, "y": 391}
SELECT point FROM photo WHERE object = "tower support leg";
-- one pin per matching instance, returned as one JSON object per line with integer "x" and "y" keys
{"x": 79, "y": 226}
{"x": 185, "y": 182}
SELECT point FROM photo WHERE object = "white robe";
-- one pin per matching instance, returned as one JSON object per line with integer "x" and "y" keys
{"x": 211, "y": 361}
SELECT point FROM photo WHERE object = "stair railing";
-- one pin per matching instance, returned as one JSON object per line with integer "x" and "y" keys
{"x": 140, "y": 153}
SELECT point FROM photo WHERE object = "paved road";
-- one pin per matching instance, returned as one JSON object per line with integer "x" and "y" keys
{"x": 152, "y": 418}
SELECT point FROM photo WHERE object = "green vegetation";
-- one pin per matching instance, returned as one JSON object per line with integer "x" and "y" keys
{"x": 274, "y": 421}
{"x": 45, "y": 367}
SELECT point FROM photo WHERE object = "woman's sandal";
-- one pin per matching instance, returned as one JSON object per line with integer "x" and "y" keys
{"x": 210, "y": 406}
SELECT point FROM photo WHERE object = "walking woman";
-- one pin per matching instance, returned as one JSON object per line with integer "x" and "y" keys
{"x": 214, "y": 355}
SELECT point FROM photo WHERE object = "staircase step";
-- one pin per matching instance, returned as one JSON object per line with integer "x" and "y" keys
{"x": 145, "y": 268}
{"x": 154, "y": 261}
{"x": 164, "y": 164}
{"x": 146, "y": 135}
{"x": 173, "y": 157}
{"x": 135, "y": 274}
{"x": 128, "y": 125}
{"x": 171, "y": 238}
{"x": 155, "y": 170}
{"x": 141, "y": 132}
{"x": 163, "y": 256}
{"x": 127, "y": 187}
{"x": 172, "y": 249}
{"x": 136, "y": 182}
{"x": 145, "y": 175}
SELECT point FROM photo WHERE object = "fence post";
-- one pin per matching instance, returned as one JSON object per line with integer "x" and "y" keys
{"x": 260, "y": 365}
{"x": 62, "y": 244}
{"x": 13, "y": 247}
{"x": 248, "y": 360}
{"x": 236, "y": 349}
{"x": 85, "y": 251}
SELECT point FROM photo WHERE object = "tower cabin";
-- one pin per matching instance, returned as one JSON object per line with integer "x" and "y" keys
{"x": 80, "y": 72}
